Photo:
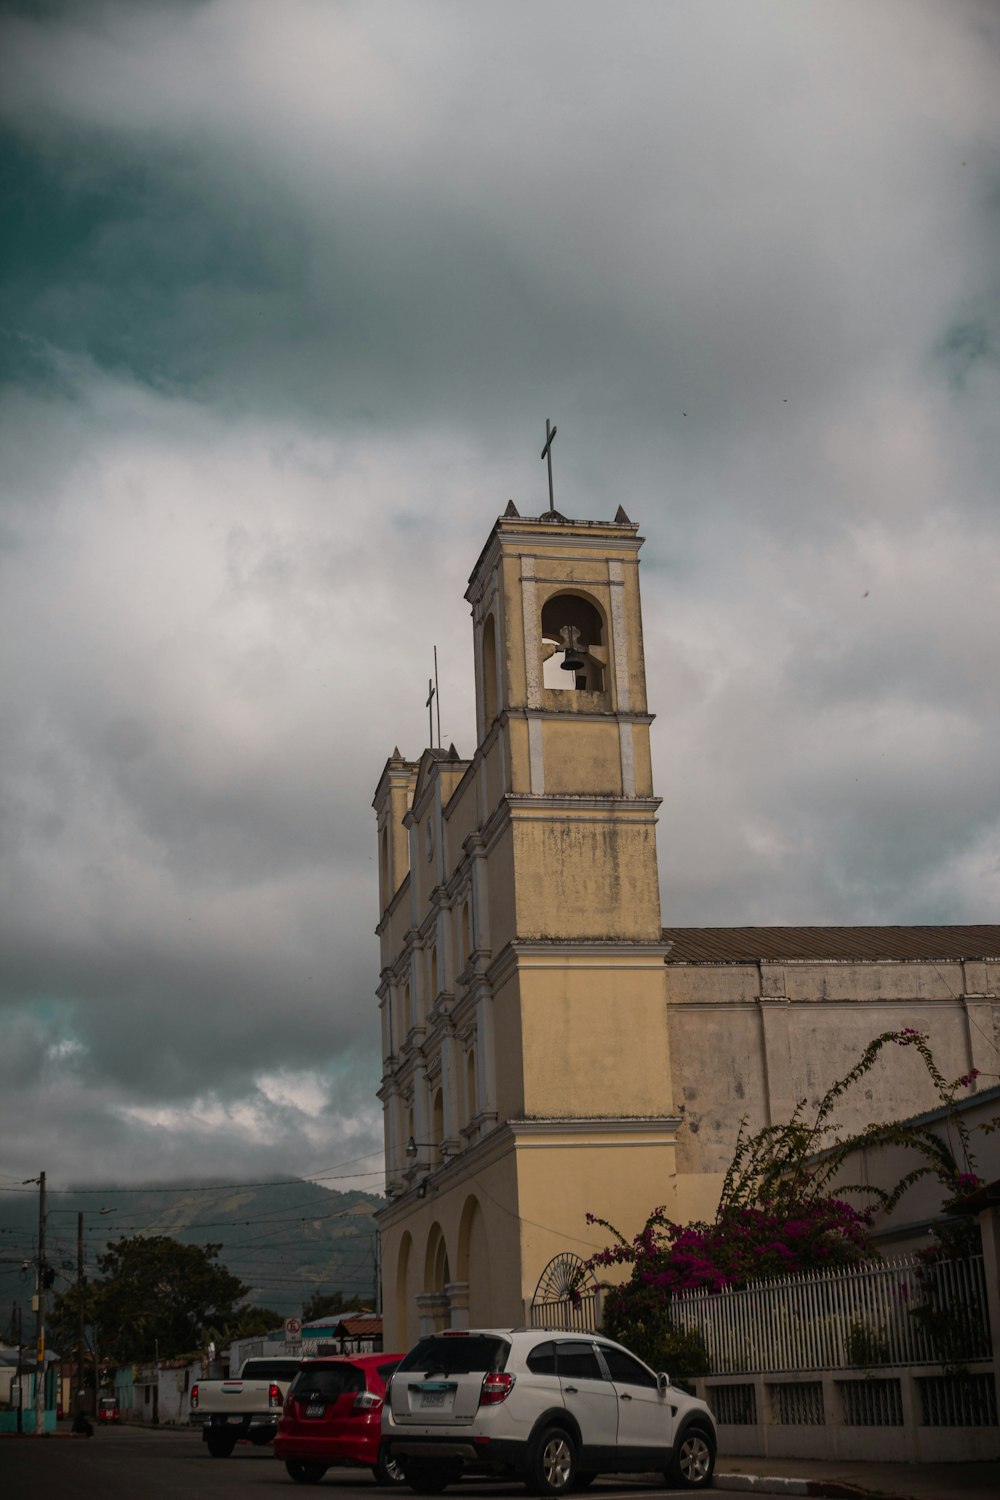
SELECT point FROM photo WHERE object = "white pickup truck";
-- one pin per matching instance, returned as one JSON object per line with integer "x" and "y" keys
{"x": 247, "y": 1407}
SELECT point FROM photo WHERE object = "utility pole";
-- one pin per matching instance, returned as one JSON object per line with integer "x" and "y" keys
{"x": 20, "y": 1386}
{"x": 40, "y": 1324}
{"x": 81, "y": 1385}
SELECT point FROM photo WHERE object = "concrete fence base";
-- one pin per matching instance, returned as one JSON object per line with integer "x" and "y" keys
{"x": 911, "y": 1415}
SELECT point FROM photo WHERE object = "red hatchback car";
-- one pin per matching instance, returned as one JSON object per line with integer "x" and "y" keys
{"x": 333, "y": 1415}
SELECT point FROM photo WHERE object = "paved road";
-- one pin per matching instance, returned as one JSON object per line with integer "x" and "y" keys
{"x": 148, "y": 1463}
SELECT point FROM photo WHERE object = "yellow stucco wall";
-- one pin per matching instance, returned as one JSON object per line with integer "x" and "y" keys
{"x": 620, "y": 1175}
{"x": 590, "y": 875}
{"x": 582, "y": 757}
{"x": 594, "y": 1038}
{"x": 792, "y": 1043}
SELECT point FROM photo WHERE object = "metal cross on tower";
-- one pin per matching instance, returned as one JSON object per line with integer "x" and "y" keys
{"x": 432, "y": 693}
{"x": 550, "y": 433}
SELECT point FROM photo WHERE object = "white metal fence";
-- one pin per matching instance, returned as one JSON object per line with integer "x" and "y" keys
{"x": 880, "y": 1313}
{"x": 581, "y": 1314}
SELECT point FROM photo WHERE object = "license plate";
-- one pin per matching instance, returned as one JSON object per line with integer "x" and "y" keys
{"x": 431, "y": 1398}
{"x": 315, "y": 1410}
{"x": 234, "y": 1420}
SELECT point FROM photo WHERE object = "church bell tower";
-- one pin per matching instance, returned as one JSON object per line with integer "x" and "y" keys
{"x": 526, "y": 1067}
{"x": 562, "y": 723}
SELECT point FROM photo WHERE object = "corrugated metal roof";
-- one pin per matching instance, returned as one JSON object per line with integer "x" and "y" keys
{"x": 360, "y": 1324}
{"x": 740, "y": 945}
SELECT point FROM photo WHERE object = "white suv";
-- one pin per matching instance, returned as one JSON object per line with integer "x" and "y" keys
{"x": 554, "y": 1409}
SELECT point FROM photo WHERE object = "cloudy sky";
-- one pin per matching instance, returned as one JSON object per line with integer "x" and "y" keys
{"x": 289, "y": 292}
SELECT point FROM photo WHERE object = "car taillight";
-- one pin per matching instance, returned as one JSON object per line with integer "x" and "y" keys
{"x": 194, "y": 1397}
{"x": 274, "y": 1396}
{"x": 497, "y": 1386}
{"x": 366, "y": 1401}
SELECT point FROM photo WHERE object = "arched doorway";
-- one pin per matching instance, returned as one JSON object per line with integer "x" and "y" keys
{"x": 404, "y": 1323}
{"x": 474, "y": 1275}
{"x": 433, "y": 1303}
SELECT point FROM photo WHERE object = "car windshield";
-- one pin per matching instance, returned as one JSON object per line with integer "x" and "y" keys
{"x": 327, "y": 1381}
{"x": 439, "y": 1355}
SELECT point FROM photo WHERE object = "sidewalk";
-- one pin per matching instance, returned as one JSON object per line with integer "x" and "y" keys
{"x": 841, "y": 1478}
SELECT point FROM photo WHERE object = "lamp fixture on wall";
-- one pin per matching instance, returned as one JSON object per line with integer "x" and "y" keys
{"x": 412, "y": 1147}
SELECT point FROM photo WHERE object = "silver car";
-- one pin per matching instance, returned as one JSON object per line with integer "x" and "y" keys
{"x": 553, "y": 1409}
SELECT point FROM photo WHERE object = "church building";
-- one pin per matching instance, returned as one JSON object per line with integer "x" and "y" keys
{"x": 549, "y": 1050}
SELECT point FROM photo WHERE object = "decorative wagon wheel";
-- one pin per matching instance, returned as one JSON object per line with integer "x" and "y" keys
{"x": 564, "y": 1276}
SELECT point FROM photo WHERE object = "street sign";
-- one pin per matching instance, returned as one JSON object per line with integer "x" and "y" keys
{"x": 293, "y": 1330}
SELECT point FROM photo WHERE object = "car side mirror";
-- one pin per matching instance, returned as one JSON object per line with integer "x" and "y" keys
{"x": 662, "y": 1384}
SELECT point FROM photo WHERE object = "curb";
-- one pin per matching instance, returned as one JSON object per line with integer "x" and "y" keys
{"x": 832, "y": 1489}
{"x": 25, "y": 1436}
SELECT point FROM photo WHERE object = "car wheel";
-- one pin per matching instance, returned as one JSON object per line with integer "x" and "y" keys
{"x": 584, "y": 1480}
{"x": 304, "y": 1473}
{"x": 693, "y": 1460}
{"x": 220, "y": 1444}
{"x": 553, "y": 1467}
{"x": 387, "y": 1470}
{"x": 426, "y": 1477}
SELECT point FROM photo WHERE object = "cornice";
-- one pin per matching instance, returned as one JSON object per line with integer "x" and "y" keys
{"x": 575, "y": 953}
{"x": 527, "y": 1135}
{"x": 394, "y": 770}
{"x": 511, "y": 534}
{"x": 524, "y": 1131}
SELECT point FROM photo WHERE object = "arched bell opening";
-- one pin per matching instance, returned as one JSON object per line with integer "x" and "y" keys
{"x": 489, "y": 668}
{"x": 574, "y": 645}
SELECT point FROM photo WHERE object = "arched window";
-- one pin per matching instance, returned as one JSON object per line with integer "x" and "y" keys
{"x": 573, "y": 644}
{"x": 437, "y": 1120}
{"x": 489, "y": 672}
{"x": 471, "y": 1102}
{"x": 384, "y": 865}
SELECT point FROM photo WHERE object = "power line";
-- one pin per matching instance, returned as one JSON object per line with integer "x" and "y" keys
{"x": 334, "y": 1174}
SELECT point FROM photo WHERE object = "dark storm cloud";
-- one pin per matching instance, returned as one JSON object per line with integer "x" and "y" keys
{"x": 289, "y": 292}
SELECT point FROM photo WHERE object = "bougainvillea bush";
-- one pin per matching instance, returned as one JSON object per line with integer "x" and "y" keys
{"x": 778, "y": 1213}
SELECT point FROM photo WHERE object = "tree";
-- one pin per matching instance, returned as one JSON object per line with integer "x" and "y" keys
{"x": 159, "y": 1295}
{"x": 62, "y": 1322}
{"x": 249, "y": 1320}
{"x": 779, "y": 1211}
{"x": 329, "y": 1305}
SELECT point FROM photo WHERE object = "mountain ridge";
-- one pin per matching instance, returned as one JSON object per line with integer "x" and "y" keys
{"x": 287, "y": 1239}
